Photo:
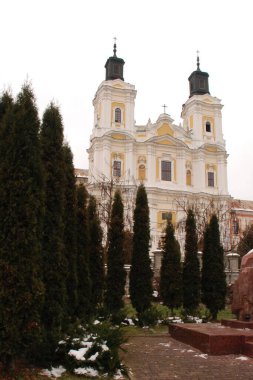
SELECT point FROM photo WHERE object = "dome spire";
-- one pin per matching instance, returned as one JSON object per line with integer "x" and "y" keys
{"x": 198, "y": 81}
{"x": 114, "y": 65}
{"x": 198, "y": 60}
{"x": 115, "y": 47}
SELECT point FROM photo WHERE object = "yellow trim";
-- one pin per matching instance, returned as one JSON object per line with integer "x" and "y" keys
{"x": 175, "y": 171}
{"x": 122, "y": 107}
{"x": 118, "y": 136}
{"x": 161, "y": 224}
{"x": 191, "y": 122}
{"x": 188, "y": 177}
{"x": 165, "y": 142}
{"x": 165, "y": 129}
{"x": 141, "y": 172}
{"x": 211, "y": 149}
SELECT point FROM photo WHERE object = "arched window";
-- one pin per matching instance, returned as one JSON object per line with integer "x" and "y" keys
{"x": 117, "y": 115}
{"x": 188, "y": 178}
{"x": 142, "y": 172}
{"x": 116, "y": 169}
{"x": 208, "y": 126}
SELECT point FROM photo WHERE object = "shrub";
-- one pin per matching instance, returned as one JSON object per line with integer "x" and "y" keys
{"x": 94, "y": 347}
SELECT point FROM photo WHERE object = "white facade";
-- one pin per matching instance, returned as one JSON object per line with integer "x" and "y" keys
{"x": 178, "y": 164}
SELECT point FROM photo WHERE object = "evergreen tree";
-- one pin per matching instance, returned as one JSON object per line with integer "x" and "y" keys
{"x": 141, "y": 273}
{"x": 171, "y": 271}
{"x": 116, "y": 274}
{"x": 96, "y": 266}
{"x": 191, "y": 270}
{"x": 70, "y": 231}
{"x": 213, "y": 275}
{"x": 83, "y": 275}
{"x": 21, "y": 198}
{"x": 54, "y": 261}
{"x": 246, "y": 242}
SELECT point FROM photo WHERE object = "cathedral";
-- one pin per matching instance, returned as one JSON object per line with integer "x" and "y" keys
{"x": 181, "y": 165}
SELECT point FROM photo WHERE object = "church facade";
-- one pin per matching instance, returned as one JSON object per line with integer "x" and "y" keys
{"x": 181, "y": 166}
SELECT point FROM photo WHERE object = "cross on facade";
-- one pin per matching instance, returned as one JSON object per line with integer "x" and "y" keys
{"x": 164, "y": 108}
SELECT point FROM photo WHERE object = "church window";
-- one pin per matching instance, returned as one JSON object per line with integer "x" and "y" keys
{"x": 117, "y": 168}
{"x": 142, "y": 172}
{"x": 166, "y": 170}
{"x": 210, "y": 179}
{"x": 208, "y": 126}
{"x": 167, "y": 216}
{"x": 188, "y": 178}
{"x": 117, "y": 115}
{"x": 235, "y": 227}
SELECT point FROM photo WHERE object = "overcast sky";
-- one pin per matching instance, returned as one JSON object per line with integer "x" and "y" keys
{"x": 61, "y": 46}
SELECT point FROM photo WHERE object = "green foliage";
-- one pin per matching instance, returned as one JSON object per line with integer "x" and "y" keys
{"x": 54, "y": 260}
{"x": 21, "y": 205}
{"x": 116, "y": 274}
{"x": 213, "y": 274}
{"x": 84, "y": 283}
{"x": 96, "y": 267}
{"x": 171, "y": 271}
{"x": 191, "y": 271}
{"x": 246, "y": 242}
{"x": 98, "y": 346}
{"x": 70, "y": 230}
{"x": 141, "y": 273}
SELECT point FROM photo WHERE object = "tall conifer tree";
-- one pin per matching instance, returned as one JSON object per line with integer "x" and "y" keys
{"x": 213, "y": 275}
{"x": 70, "y": 231}
{"x": 141, "y": 273}
{"x": 21, "y": 198}
{"x": 83, "y": 276}
{"x": 96, "y": 265}
{"x": 191, "y": 270}
{"x": 171, "y": 270}
{"x": 54, "y": 261}
{"x": 116, "y": 274}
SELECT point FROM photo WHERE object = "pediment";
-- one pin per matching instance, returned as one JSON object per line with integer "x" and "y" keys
{"x": 165, "y": 129}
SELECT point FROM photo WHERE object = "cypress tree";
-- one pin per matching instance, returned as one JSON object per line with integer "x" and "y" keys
{"x": 96, "y": 265}
{"x": 171, "y": 271}
{"x": 54, "y": 261}
{"x": 191, "y": 270}
{"x": 141, "y": 273}
{"x": 116, "y": 274}
{"x": 21, "y": 198}
{"x": 83, "y": 276}
{"x": 70, "y": 231}
{"x": 213, "y": 275}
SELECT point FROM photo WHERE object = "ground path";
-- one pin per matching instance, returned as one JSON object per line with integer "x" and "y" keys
{"x": 159, "y": 357}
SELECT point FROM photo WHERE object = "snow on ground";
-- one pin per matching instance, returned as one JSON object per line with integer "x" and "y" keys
{"x": 242, "y": 358}
{"x": 89, "y": 371}
{"x": 54, "y": 372}
{"x": 203, "y": 356}
{"x": 165, "y": 344}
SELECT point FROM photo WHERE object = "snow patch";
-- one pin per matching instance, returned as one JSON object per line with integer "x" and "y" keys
{"x": 79, "y": 354}
{"x": 93, "y": 357}
{"x": 86, "y": 371}
{"x": 164, "y": 344}
{"x": 242, "y": 358}
{"x": 55, "y": 372}
{"x": 203, "y": 356}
